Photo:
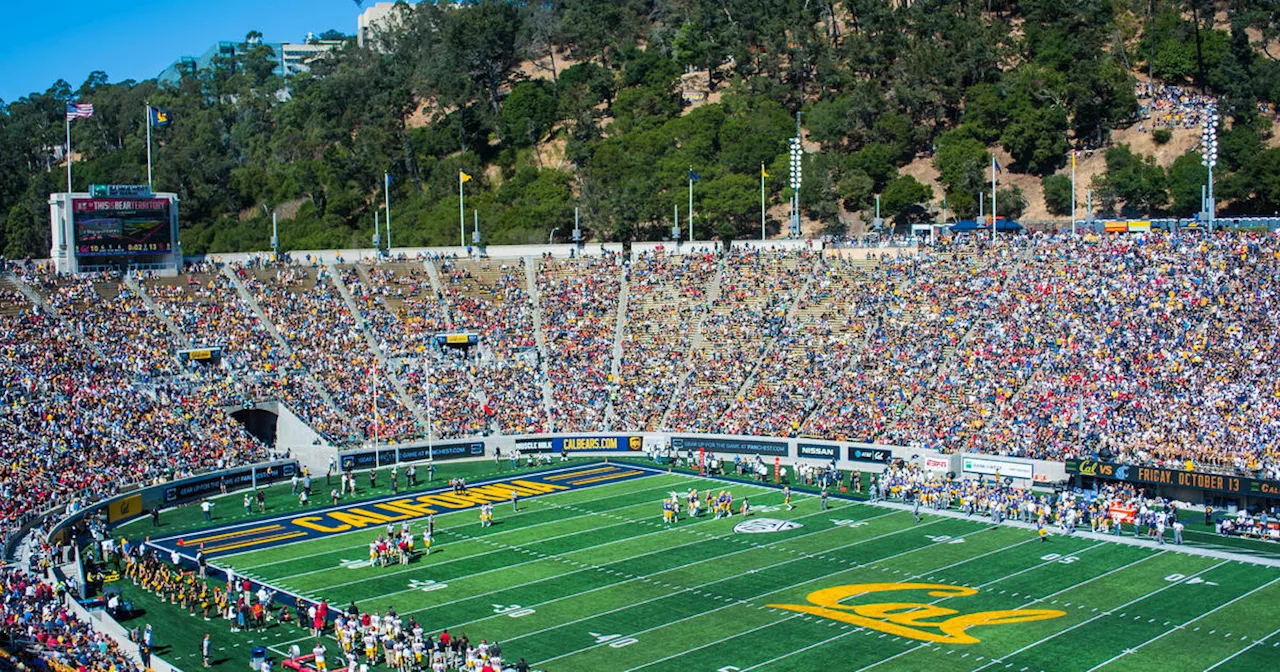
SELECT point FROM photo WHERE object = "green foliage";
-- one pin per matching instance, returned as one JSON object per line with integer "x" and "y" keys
{"x": 527, "y": 113}
{"x": 449, "y": 92}
{"x": 903, "y": 197}
{"x": 1057, "y": 194}
{"x": 961, "y": 160}
{"x": 1010, "y": 202}
{"x": 1186, "y": 175}
{"x": 1134, "y": 179}
{"x": 1162, "y": 136}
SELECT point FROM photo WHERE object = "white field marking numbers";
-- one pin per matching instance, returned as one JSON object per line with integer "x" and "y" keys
{"x": 944, "y": 539}
{"x": 356, "y": 564}
{"x": 729, "y": 668}
{"x": 1181, "y": 578}
{"x": 512, "y": 610}
{"x": 847, "y": 523}
{"x": 615, "y": 641}
{"x": 1062, "y": 559}
{"x": 766, "y": 509}
{"x": 427, "y": 585}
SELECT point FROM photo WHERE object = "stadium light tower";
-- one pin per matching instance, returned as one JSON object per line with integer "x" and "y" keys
{"x": 1209, "y": 155}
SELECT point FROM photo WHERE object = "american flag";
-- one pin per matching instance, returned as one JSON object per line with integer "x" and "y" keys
{"x": 79, "y": 111}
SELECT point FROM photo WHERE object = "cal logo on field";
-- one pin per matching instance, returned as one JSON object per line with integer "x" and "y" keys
{"x": 763, "y": 525}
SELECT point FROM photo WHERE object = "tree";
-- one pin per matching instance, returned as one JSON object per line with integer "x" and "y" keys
{"x": 961, "y": 160}
{"x": 903, "y": 197}
{"x": 528, "y": 113}
{"x": 1010, "y": 202}
{"x": 1057, "y": 194}
{"x": 1136, "y": 180}
{"x": 1186, "y": 176}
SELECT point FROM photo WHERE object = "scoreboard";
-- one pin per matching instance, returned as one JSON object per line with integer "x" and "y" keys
{"x": 108, "y": 227}
{"x": 114, "y": 227}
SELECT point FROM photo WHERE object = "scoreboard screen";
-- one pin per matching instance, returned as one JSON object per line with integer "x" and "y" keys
{"x": 107, "y": 227}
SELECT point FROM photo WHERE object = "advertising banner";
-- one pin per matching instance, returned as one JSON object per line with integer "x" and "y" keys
{"x": 982, "y": 465}
{"x": 714, "y": 444}
{"x": 880, "y": 455}
{"x": 824, "y": 451}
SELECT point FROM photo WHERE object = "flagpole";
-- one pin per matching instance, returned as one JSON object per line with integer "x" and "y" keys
{"x": 690, "y": 215}
{"x": 762, "y": 235}
{"x": 68, "y": 162}
{"x": 462, "y": 215}
{"x": 993, "y": 197}
{"x": 1073, "y": 192}
{"x": 386, "y": 195}
{"x": 148, "y": 112}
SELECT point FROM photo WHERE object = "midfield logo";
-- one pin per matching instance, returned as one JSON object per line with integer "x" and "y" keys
{"x": 910, "y": 619}
{"x": 762, "y": 525}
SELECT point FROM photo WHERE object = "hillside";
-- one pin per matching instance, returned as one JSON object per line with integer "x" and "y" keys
{"x": 609, "y": 107}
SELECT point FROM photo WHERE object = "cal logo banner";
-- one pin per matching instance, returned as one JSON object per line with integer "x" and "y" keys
{"x": 124, "y": 508}
{"x": 921, "y": 621}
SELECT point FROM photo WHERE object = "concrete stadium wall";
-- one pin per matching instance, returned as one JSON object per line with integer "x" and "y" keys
{"x": 492, "y": 251}
{"x": 849, "y": 455}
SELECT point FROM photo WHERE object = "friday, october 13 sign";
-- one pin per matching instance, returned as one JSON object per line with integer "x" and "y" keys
{"x": 914, "y": 620}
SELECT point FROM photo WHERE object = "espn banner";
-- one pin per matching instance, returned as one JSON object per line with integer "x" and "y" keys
{"x": 1194, "y": 480}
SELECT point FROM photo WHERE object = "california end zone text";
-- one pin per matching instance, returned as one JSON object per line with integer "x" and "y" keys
{"x": 371, "y": 514}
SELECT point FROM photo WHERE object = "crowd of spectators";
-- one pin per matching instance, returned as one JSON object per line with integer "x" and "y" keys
{"x": 665, "y": 299}
{"x": 38, "y": 626}
{"x": 579, "y": 303}
{"x": 746, "y": 312}
{"x": 1166, "y": 106}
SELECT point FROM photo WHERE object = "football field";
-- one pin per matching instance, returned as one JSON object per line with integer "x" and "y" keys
{"x": 591, "y": 578}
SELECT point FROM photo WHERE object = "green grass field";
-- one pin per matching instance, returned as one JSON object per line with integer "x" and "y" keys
{"x": 593, "y": 580}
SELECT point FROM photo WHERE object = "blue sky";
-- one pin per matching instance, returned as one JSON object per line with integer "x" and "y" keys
{"x": 47, "y": 40}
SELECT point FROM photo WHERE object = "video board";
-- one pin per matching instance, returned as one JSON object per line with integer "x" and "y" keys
{"x": 116, "y": 227}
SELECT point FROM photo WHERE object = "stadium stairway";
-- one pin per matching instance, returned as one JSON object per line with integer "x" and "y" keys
{"x": 619, "y": 332}
{"x": 433, "y": 274}
{"x": 790, "y": 320}
{"x": 336, "y": 278}
{"x": 32, "y": 295}
{"x": 8, "y": 282}
{"x": 540, "y": 334}
{"x": 138, "y": 290}
{"x": 696, "y": 341}
{"x": 270, "y": 326}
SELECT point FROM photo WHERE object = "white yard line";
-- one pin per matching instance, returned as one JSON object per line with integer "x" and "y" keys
{"x": 1175, "y": 628}
{"x": 733, "y": 602}
{"x": 691, "y": 564}
{"x": 1101, "y": 614}
{"x": 443, "y": 489}
{"x": 1237, "y": 653}
{"x": 560, "y": 556}
{"x": 472, "y": 557}
{"x": 364, "y": 546}
{"x": 752, "y": 546}
{"x": 1144, "y": 558}
{"x": 362, "y": 549}
{"x": 788, "y": 618}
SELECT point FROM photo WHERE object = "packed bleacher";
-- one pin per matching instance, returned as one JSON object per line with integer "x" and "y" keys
{"x": 1157, "y": 350}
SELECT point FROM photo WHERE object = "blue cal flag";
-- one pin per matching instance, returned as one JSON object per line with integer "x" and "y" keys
{"x": 693, "y": 175}
{"x": 159, "y": 117}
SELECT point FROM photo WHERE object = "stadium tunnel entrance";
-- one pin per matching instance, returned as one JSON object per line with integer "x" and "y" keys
{"x": 259, "y": 422}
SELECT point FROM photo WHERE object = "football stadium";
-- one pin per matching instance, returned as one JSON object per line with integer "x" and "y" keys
{"x": 601, "y": 336}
